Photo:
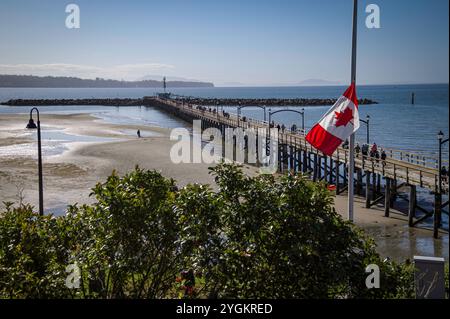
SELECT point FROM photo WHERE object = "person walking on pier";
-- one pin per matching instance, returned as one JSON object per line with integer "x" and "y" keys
{"x": 345, "y": 144}
{"x": 373, "y": 150}
{"x": 293, "y": 128}
{"x": 377, "y": 156}
{"x": 383, "y": 157}
{"x": 444, "y": 174}
{"x": 365, "y": 149}
{"x": 357, "y": 149}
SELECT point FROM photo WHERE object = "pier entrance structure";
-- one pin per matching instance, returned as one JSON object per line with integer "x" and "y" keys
{"x": 302, "y": 114}
{"x": 399, "y": 170}
{"x": 240, "y": 107}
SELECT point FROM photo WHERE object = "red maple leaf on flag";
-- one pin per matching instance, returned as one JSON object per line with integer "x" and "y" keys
{"x": 342, "y": 118}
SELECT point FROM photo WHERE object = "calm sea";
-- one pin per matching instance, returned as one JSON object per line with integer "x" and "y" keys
{"x": 394, "y": 122}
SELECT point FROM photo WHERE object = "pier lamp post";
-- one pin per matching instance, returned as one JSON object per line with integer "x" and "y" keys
{"x": 217, "y": 108}
{"x": 238, "y": 112}
{"x": 32, "y": 125}
{"x": 303, "y": 120}
{"x": 441, "y": 142}
{"x": 366, "y": 121}
{"x": 438, "y": 195}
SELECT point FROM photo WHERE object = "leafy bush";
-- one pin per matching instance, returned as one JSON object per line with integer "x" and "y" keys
{"x": 255, "y": 237}
{"x": 32, "y": 255}
{"x": 262, "y": 237}
{"x": 125, "y": 243}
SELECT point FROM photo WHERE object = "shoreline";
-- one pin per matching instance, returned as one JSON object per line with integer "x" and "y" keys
{"x": 69, "y": 177}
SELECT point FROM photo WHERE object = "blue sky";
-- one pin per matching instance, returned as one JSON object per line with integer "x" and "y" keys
{"x": 251, "y": 42}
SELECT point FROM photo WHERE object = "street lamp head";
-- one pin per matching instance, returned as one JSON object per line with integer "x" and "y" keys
{"x": 440, "y": 135}
{"x": 368, "y": 117}
{"x": 31, "y": 124}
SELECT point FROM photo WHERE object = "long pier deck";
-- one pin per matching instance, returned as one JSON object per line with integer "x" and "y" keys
{"x": 400, "y": 169}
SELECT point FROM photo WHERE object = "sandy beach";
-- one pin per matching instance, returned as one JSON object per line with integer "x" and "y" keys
{"x": 68, "y": 177}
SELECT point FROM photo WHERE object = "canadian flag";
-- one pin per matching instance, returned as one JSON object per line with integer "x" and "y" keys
{"x": 341, "y": 121}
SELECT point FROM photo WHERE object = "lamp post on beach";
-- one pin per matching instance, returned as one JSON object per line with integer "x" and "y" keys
{"x": 366, "y": 121}
{"x": 32, "y": 125}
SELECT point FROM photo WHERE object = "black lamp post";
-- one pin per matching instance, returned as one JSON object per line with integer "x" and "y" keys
{"x": 438, "y": 199}
{"x": 366, "y": 121}
{"x": 32, "y": 125}
{"x": 238, "y": 112}
{"x": 303, "y": 120}
{"x": 441, "y": 142}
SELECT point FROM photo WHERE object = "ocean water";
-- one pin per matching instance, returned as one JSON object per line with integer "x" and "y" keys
{"x": 394, "y": 122}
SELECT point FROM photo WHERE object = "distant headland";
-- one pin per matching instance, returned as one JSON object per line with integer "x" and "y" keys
{"x": 31, "y": 81}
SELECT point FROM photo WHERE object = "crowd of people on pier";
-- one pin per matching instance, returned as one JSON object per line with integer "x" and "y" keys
{"x": 368, "y": 151}
{"x": 365, "y": 150}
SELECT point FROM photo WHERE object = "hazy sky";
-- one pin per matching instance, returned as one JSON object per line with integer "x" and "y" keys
{"x": 252, "y": 42}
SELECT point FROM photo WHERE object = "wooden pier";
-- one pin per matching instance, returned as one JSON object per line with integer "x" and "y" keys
{"x": 295, "y": 154}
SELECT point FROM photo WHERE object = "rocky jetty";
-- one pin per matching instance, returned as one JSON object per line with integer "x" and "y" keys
{"x": 191, "y": 100}
{"x": 46, "y": 102}
{"x": 266, "y": 102}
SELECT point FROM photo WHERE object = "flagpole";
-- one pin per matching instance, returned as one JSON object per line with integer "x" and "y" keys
{"x": 351, "y": 167}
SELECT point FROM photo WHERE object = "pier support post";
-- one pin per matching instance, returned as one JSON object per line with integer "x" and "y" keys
{"x": 393, "y": 192}
{"x": 374, "y": 185}
{"x": 412, "y": 205}
{"x": 315, "y": 167}
{"x": 319, "y": 167}
{"x": 437, "y": 214}
{"x": 358, "y": 181}
{"x": 292, "y": 157}
{"x": 345, "y": 173}
{"x": 305, "y": 161}
{"x": 367, "y": 189}
{"x": 223, "y": 143}
{"x": 330, "y": 176}
{"x": 280, "y": 157}
{"x": 336, "y": 169}
{"x": 378, "y": 183}
{"x": 310, "y": 167}
{"x": 387, "y": 197}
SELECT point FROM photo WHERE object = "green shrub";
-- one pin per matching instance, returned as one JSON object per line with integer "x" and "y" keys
{"x": 255, "y": 237}
{"x": 32, "y": 255}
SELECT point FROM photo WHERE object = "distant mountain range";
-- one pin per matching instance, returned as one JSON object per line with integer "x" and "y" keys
{"x": 73, "y": 82}
{"x": 168, "y": 78}
{"x": 317, "y": 82}
{"x": 308, "y": 82}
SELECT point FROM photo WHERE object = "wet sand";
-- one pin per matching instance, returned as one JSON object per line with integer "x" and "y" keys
{"x": 68, "y": 178}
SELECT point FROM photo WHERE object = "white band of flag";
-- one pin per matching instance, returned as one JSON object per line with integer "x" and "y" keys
{"x": 341, "y": 121}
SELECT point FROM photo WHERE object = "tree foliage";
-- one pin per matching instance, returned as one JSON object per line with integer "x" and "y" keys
{"x": 251, "y": 237}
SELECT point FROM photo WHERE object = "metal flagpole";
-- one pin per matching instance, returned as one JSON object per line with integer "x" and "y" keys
{"x": 351, "y": 166}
